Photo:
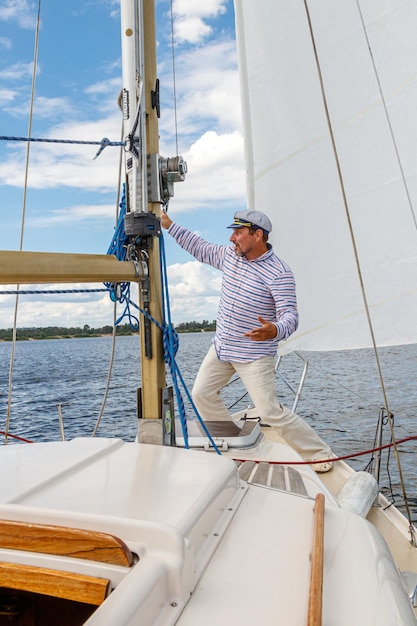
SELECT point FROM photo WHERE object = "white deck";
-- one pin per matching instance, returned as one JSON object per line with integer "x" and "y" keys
{"x": 226, "y": 551}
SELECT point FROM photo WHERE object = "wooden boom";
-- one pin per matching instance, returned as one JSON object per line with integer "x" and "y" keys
{"x": 56, "y": 267}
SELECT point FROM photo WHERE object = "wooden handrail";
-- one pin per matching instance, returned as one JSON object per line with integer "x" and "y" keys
{"x": 55, "y": 583}
{"x": 315, "y": 601}
{"x": 59, "y": 540}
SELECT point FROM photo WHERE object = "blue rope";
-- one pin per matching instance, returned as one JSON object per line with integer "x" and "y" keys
{"x": 103, "y": 143}
{"x": 106, "y": 141}
{"x": 170, "y": 337}
{"x": 170, "y": 342}
{"x": 118, "y": 248}
{"x": 48, "y": 291}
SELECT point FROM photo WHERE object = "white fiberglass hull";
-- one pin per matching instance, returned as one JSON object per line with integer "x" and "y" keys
{"x": 211, "y": 548}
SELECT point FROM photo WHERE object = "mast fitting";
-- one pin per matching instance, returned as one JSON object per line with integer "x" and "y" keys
{"x": 141, "y": 269}
{"x": 163, "y": 172}
{"x": 142, "y": 224}
{"x": 155, "y": 99}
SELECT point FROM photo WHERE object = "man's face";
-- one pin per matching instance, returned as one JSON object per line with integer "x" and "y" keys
{"x": 246, "y": 243}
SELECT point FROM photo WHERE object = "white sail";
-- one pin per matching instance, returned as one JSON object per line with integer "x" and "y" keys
{"x": 292, "y": 175}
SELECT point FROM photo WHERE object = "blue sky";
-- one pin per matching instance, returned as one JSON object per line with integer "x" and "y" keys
{"x": 71, "y": 198}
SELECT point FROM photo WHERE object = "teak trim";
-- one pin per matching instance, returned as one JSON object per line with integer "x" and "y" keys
{"x": 315, "y": 601}
{"x": 50, "y": 582}
{"x": 59, "y": 540}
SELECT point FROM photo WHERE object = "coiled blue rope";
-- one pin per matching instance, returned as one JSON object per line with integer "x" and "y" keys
{"x": 118, "y": 248}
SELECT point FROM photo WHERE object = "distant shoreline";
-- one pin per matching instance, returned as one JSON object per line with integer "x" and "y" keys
{"x": 55, "y": 332}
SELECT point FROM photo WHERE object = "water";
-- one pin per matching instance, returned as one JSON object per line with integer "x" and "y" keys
{"x": 341, "y": 397}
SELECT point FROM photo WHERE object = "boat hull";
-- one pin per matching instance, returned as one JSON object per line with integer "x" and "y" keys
{"x": 208, "y": 547}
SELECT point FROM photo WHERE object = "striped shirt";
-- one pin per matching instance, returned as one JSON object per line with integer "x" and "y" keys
{"x": 264, "y": 286}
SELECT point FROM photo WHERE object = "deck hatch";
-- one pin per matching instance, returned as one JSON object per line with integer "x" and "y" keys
{"x": 280, "y": 477}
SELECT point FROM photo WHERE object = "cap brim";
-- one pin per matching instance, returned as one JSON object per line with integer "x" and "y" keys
{"x": 245, "y": 225}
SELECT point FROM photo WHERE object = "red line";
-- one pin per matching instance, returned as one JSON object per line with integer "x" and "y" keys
{"x": 333, "y": 459}
{"x": 2, "y": 432}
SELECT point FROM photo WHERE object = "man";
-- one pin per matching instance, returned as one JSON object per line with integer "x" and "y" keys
{"x": 258, "y": 308}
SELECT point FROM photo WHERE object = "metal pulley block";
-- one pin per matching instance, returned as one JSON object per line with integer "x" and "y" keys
{"x": 163, "y": 173}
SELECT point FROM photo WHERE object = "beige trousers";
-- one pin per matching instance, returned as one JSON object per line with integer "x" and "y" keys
{"x": 259, "y": 379}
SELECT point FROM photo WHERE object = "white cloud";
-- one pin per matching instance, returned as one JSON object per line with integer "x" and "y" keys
{"x": 57, "y": 310}
{"x": 17, "y": 71}
{"x": 6, "y": 97}
{"x": 189, "y": 24}
{"x": 47, "y": 172}
{"x": 107, "y": 88}
{"x": 215, "y": 173}
{"x": 45, "y": 108}
{"x": 194, "y": 291}
{"x": 20, "y": 11}
{"x": 73, "y": 165}
{"x": 207, "y": 90}
{"x": 5, "y": 43}
{"x": 74, "y": 214}
{"x": 193, "y": 278}
{"x": 191, "y": 29}
{"x": 208, "y": 8}
{"x": 208, "y": 97}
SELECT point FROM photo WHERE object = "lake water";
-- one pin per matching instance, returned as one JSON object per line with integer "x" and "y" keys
{"x": 341, "y": 397}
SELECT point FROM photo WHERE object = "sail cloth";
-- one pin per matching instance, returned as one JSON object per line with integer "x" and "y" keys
{"x": 291, "y": 169}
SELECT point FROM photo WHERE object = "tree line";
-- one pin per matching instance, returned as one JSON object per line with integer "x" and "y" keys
{"x": 59, "y": 332}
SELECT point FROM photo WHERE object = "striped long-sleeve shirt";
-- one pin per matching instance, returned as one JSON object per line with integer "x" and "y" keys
{"x": 264, "y": 286}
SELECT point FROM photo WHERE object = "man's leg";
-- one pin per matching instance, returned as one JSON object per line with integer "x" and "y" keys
{"x": 259, "y": 380}
{"x": 212, "y": 376}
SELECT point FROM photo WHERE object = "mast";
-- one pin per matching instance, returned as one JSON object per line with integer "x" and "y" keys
{"x": 149, "y": 184}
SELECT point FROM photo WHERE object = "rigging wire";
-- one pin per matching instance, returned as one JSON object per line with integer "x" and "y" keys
{"x": 22, "y": 229}
{"x": 358, "y": 266}
{"x": 338, "y": 383}
{"x": 109, "y": 372}
{"x": 113, "y": 343}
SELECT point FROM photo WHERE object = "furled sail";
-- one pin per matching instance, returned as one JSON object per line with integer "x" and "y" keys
{"x": 367, "y": 57}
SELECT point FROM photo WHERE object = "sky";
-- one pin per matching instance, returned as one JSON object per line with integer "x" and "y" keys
{"x": 71, "y": 198}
